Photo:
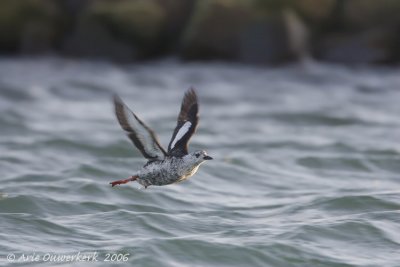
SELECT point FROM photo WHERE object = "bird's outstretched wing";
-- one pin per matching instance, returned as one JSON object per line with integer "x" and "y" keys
{"x": 187, "y": 123}
{"x": 140, "y": 134}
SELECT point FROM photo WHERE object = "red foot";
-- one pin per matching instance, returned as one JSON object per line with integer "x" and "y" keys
{"x": 130, "y": 179}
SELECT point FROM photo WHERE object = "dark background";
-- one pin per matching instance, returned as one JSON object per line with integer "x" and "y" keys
{"x": 249, "y": 31}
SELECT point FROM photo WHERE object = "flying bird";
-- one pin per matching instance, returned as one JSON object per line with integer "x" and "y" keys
{"x": 163, "y": 167}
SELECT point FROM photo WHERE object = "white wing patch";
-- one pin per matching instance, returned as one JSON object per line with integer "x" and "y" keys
{"x": 182, "y": 131}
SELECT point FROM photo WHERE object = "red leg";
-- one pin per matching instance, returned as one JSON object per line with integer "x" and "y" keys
{"x": 124, "y": 181}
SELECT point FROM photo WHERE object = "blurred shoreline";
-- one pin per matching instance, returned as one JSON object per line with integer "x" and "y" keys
{"x": 259, "y": 32}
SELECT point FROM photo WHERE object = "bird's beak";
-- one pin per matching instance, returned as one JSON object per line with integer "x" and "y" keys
{"x": 207, "y": 158}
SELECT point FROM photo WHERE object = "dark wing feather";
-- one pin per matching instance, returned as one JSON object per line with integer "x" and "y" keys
{"x": 187, "y": 124}
{"x": 140, "y": 134}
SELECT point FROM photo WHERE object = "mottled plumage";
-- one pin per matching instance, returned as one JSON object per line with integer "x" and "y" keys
{"x": 163, "y": 167}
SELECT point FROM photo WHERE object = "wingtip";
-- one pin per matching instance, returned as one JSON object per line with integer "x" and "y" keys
{"x": 118, "y": 106}
{"x": 191, "y": 91}
{"x": 190, "y": 97}
{"x": 116, "y": 98}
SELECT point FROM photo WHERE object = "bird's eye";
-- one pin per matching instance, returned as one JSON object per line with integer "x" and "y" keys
{"x": 197, "y": 155}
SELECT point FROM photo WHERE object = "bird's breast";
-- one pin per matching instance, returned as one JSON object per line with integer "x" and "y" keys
{"x": 190, "y": 172}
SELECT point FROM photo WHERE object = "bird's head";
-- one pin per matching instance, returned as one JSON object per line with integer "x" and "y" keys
{"x": 199, "y": 156}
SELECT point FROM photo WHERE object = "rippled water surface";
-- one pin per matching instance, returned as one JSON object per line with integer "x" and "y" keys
{"x": 306, "y": 169}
